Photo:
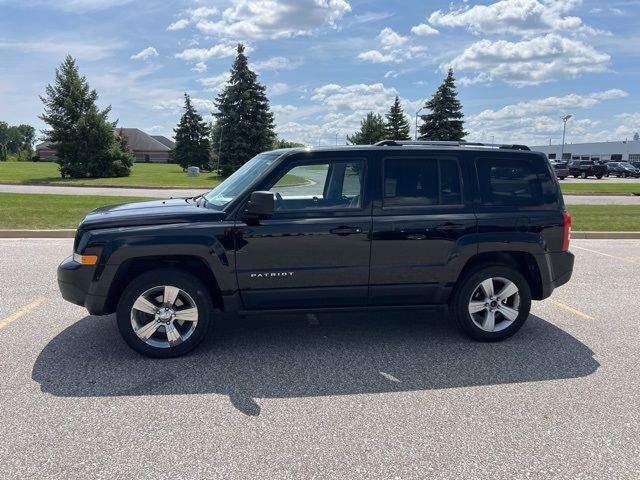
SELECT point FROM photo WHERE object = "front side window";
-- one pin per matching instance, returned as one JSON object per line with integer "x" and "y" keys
{"x": 419, "y": 182}
{"x": 329, "y": 185}
{"x": 508, "y": 181}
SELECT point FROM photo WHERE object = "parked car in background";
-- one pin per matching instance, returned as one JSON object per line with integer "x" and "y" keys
{"x": 587, "y": 168}
{"x": 622, "y": 169}
{"x": 636, "y": 163}
{"x": 561, "y": 169}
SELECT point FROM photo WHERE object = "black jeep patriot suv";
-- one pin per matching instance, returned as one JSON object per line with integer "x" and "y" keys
{"x": 397, "y": 225}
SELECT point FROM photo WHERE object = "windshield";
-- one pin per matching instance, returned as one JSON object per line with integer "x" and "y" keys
{"x": 240, "y": 180}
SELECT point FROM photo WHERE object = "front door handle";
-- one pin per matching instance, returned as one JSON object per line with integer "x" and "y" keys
{"x": 451, "y": 227}
{"x": 344, "y": 230}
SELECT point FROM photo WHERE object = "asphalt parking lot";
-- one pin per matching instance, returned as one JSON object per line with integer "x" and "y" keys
{"x": 349, "y": 396}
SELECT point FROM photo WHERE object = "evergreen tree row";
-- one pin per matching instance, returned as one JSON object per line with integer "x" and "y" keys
{"x": 444, "y": 122}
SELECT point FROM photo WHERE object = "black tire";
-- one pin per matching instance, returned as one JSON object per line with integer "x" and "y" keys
{"x": 157, "y": 278}
{"x": 459, "y": 304}
{"x": 599, "y": 177}
{"x": 562, "y": 178}
{"x": 583, "y": 175}
{"x": 625, "y": 175}
{"x": 575, "y": 176}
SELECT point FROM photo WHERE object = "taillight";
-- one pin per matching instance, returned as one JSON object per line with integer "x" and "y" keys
{"x": 566, "y": 222}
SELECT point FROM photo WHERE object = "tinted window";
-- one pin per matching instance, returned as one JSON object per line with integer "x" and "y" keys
{"x": 421, "y": 182}
{"x": 508, "y": 181}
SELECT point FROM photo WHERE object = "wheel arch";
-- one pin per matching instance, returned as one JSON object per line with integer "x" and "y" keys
{"x": 134, "y": 267}
{"x": 524, "y": 262}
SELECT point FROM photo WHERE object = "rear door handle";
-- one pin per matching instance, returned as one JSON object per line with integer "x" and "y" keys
{"x": 451, "y": 227}
{"x": 343, "y": 230}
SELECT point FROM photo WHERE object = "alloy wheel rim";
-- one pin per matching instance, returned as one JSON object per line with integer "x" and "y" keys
{"x": 164, "y": 316}
{"x": 494, "y": 304}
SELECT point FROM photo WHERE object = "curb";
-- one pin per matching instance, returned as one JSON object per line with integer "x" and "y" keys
{"x": 71, "y": 233}
{"x": 599, "y": 194}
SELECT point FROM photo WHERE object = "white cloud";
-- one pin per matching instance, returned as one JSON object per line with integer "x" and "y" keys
{"x": 390, "y": 39}
{"x": 200, "y": 67}
{"x": 145, "y": 54}
{"x": 269, "y": 19}
{"x": 529, "y": 62}
{"x": 176, "y": 105}
{"x": 278, "y": 89}
{"x": 221, "y": 50}
{"x": 424, "y": 30}
{"x": 516, "y": 17}
{"x": 79, "y": 49}
{"x": 179, "y": 24}
{"x": 202, "y": 12}
{"x": 74, "y": 6}
{"x": 535, "y": 121}
{"x": 277, "y": 63}
{"x": 394, "y": 49}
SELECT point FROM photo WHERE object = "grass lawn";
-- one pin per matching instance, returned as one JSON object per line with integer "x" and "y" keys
{"x": 605, "y": 218}
{"x": 599, "y": 187}
{"x": 142, "y": 175}
{"x": 46, "y": 212}
{"x": 35, "y": 211}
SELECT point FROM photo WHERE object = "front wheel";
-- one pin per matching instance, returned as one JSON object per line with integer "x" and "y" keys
{"x": 491, "y": 303}
{"x": 599, "y": 177}
{"x": 562, "y": 178}
{"x": 164, "y": 313}
{"x": 583, "y": 175}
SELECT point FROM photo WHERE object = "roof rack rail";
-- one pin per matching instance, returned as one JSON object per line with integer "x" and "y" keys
{"x": 455, "y": 143}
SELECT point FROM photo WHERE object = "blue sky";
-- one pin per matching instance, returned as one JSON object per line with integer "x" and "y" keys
{"x": 520, "y": 64}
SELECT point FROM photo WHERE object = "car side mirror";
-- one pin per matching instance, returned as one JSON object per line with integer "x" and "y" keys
{"x": 260, "y": 207}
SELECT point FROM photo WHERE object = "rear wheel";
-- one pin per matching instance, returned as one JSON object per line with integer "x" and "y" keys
{"x": 164, "y": 313}
{"x": 562, "y": 178}
{"x": 583, "y": 175}
{"x": 491, "y": 303}
{"x": 599, "y": 177}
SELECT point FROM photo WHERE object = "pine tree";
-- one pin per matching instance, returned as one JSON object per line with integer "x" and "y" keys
{"x": 445, "y": 122}
{"x": 82, "y": 135}
{"x": 398, "y": 127}
{"x": 3, "y": 153}
{"x": 243, "y": 118}
{"x": 193, "y": 147}
{"x": 372, "y": 130}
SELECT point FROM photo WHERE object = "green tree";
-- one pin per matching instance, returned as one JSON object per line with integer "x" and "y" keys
{"x": 372, "y": 130}
{"x": 3, "y": 152}
{"x": 281, "y": 143}
{"x": 398, "y": 127}
{"x": 243, "y": 120}
{"x": 81, "y": 134}
{"x": 445, "y": 122}
{"x": 193, "y": 147}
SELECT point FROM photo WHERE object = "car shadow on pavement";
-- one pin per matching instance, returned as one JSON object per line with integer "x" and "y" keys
{"x": 269, "y": 357}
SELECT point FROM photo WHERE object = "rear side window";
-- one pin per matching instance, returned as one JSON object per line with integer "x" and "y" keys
{"x": 419, "y": 182}
{"x": 508, "y": 181}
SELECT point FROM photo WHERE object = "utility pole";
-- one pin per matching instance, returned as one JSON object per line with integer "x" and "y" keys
{"x": 565, "y": 119}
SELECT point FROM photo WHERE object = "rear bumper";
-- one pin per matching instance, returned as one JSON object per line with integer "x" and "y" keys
{"x": 561, "y": 264}
{"x": 73, "y": 279}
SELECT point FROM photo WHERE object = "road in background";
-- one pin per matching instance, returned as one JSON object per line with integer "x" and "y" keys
{"x": 384, "y": 395}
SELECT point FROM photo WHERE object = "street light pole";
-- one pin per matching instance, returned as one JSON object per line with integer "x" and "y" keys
{"x": 565, "y": 119}
{"x": 220, "y": 147}
{"x": 418, "y": 113}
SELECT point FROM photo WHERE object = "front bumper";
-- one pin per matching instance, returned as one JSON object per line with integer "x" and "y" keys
{"x": 74, "y": 280}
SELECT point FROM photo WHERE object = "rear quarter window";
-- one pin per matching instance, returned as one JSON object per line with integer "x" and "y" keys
{"x": 510, "y": 181}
